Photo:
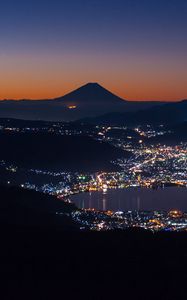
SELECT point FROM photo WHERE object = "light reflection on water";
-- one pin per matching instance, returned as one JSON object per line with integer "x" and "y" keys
{"x": 134, "y": 199}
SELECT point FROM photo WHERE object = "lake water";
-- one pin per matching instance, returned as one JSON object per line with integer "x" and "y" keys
{"x": 134, "y": 199}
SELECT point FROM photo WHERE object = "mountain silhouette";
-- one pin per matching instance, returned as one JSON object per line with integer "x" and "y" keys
{"x": 90, "y": 100}
{"x": 91, "y": 93}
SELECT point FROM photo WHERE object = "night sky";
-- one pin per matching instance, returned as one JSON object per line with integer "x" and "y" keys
{"x": 135, "y": 48}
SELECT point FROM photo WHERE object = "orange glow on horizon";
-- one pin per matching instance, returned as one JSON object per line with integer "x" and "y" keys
{"x": 51, "y": 91}
{"x": 43, "y": 77}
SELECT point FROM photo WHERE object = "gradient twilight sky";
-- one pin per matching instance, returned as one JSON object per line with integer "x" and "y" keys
{"x": 135, "y": 48}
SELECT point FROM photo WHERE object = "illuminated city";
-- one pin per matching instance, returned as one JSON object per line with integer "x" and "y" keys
{"x": 148, "y": 165}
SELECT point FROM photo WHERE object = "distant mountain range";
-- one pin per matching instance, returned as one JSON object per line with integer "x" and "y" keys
{"x": 161, "y": 114}
{"x": 88, "y": 101}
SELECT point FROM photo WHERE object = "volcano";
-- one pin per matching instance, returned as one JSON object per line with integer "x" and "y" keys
{"x": 91, "y": 93}
{"x": 88, "y": 100}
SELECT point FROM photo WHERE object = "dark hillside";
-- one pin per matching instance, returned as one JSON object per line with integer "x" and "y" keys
{"x": 55, "y": 152}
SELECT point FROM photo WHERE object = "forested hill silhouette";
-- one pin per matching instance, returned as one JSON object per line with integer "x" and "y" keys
{"x": 90, "y": 100}
{"x": 27, "y": 209}
{"x": 56, "y": 153}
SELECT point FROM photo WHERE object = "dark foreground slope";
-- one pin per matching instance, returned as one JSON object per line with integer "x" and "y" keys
{"x": 49, "y": 263}
{"x": 30, "y": 210}
{"x": 95, "y": 265}
{"x": 58, "y": 153}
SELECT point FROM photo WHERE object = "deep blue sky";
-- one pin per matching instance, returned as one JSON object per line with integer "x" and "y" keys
{"x": 136, "y": 47}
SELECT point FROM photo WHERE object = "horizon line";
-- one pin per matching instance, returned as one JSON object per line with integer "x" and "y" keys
{"x": 96, "y": 83}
